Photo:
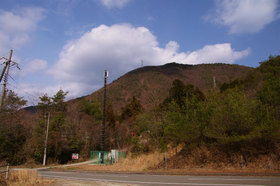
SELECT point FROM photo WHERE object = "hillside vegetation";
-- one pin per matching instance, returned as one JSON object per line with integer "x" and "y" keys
{"x": 155, "y": 109}
{"x": 151, "y": 84}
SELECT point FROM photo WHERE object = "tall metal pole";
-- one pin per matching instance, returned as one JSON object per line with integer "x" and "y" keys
{"x": 46, "y": 140}
{"x": 7, "y": 67}
{"x": 104, "y": 117}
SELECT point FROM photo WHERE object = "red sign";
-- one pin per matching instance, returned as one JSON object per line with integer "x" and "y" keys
{"x": 75, "y": 156}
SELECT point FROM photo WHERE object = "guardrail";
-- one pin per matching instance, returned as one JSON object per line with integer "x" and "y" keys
{"x": 2, "y": 171}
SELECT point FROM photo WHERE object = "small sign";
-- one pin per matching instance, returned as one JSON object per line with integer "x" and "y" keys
{"x": 75, "y": 156}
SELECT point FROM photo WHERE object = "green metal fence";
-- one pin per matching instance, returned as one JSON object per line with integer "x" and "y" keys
{"x": 105, "y": 157}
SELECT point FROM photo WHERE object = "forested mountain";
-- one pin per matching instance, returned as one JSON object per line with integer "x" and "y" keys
{"x": 155, "y": 108}
{"x": 151, "y": 84}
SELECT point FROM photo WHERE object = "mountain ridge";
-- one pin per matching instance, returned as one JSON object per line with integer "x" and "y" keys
{"x": 150, "y": 84}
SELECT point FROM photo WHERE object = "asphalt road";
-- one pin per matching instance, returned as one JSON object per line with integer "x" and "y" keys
{"x": 145, "y": 179}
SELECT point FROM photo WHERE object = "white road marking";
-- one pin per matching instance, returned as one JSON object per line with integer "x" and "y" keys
{"x": 141, "y": 182}
{"x": 100, "y": 175}
{"x": 117, "y": 176}
{"x": 231, "y": 179}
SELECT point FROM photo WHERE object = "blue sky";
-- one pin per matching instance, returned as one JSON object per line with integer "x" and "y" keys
{"x": 67, "y": 44}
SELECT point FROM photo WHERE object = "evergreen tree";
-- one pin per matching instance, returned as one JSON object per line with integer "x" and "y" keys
{"x": 132, "y": 108}
{"x": 13, "y": 134}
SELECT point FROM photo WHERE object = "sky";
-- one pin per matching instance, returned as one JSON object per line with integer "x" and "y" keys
{"x": 67, "y": 44}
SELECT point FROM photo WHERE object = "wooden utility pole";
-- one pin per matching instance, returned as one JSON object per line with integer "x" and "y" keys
{"x": 6, "y": 72}
{"x": 3, "y": 72}
{"x": 46, "y": 140}
{"x": 104, "y": 117}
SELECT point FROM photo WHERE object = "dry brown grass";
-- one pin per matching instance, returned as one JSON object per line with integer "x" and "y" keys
{"x": 214, "y": 159}
{"x": 139, "y": 163}
{"x": 2, "y": 180}
{"x": 132, "y": 163}
{"x": 199, "y": 161}
{"x": 135, "y": 164}
{"x": 27, "y": 178}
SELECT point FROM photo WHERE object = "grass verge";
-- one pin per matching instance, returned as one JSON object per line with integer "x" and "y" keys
{"x": 27, "y": 178}
{"x": 154, "y": 163}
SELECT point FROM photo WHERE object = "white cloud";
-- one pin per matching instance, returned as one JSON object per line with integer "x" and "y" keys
{"x": 222, "y": 53}
{"x": 114, "y": 3}
{"x": 16, "y": 26}
{"x": 245, "y": 16}
{"x": 34, "y": 65}
{"x": 120, "y": 48}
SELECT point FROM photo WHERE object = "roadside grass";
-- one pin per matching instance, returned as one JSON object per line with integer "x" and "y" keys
{"x": 139, "y": 163}
{"x": 146, "y": 162}
{"x": 27, "y": 178}
{"x": 130, "y": 163}
{"x": 179, "y": 164}
{"x": 2, "y": 180}
{"x": 134, "y": 163}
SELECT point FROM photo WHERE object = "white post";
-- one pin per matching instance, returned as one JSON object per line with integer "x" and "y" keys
{"x": 7, "y": 172}
{"x": 46, "y": 140}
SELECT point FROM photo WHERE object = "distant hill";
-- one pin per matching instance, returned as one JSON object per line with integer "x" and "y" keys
{"x": 150, "y": 84}
{"x": 31, "y": 109}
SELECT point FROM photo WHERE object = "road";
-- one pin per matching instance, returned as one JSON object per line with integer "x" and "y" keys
{"x": 146, "y": 179}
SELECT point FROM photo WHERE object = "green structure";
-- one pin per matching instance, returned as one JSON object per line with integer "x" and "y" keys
{"x": 109, "y": 157}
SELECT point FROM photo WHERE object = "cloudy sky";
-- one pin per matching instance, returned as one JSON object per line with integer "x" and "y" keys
{"x": 67, "y": 44}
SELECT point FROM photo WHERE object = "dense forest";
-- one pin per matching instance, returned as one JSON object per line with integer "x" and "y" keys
{"x": 235, "y": 123}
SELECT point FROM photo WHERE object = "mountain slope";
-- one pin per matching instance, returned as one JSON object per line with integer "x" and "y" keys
{"x": 150, "y": 84}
